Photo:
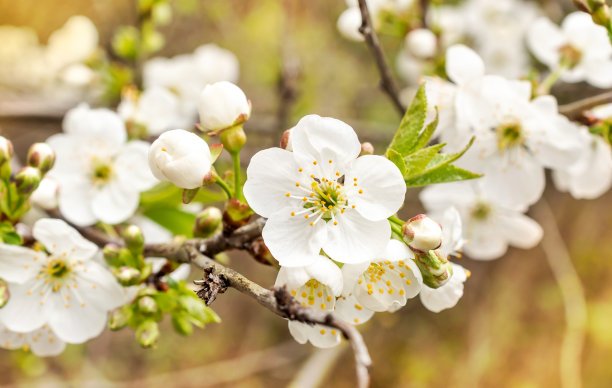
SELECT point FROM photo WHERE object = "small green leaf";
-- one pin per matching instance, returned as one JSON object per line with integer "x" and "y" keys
{"x": 397, "y": 159}
{"x": 173, "y": 219}
{"x": 405, "y": 140}
{"x": 418, "y": 161}
{"x": 215, "y": 151}
{"x": 427, "y": 133}
{"x": 444, "y": 174}
{"x": 189, "y": 194}
{"x": 8, "y": 234}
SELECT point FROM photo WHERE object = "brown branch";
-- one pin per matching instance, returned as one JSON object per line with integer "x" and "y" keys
{"x": 91, "y": 233}
{"x": 423, "y": 5}
{"x": 386, "y": 79}
{"x": 575, "y": 110}
{"x": 280, "y": 302}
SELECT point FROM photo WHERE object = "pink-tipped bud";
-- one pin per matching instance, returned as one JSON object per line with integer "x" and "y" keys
{"x": 41, "y": 156}
{"x": 6, "y": 150}
{"x": 422, "y": 234}
{"x": 366, "y": 149}
{"x": 285, "y": 142}
{"x": 27, "y": 180}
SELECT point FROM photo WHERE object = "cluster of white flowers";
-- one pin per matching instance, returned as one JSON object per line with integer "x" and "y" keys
{"x": 50, "y": 77}
{"x": 172, "y": 88}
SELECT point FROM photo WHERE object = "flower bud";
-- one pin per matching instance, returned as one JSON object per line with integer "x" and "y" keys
{"x": 422, "y": 234}
{"x": 600, "y": 13}
{"x": 118, "y": 318}
{"x": 436, "y": 270}
{"x": 366, "y": 149}
{"x": 45, "y": 196}
{"x": 111, "y": 254}
{"x": 233, "y": 138}
{"x": 422, "y": 43}
{"x": 6, "y": 150}
{"x": 236, "y": 214}
{"x": 285, "y": 142}
{"x": 4, "y": 293}
{"x": 180, "y": 157}
{"x": 41, "y": 156}
{"x": 147, "y": 334}
{"x": 127, "y": 276}
{"x": 223, "y": 105}
{"x": 207, "y": 222}
{"x": 147, "y": 305}
{"x": 27, "y": 180}
{"x": 134, "y": 240}
{"x": 260, "y": 252}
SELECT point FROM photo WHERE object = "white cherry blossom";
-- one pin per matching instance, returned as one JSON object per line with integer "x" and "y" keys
{"x": 156, "y": 109}
{"x": 323, "y": 196}
{"x": 100, "y": 174}
{"x": 42, "y": 342}
{"x": 66, "y": 289}
{"x": 316, "y": 285}
{"x": 580, "y": 45}
{"x": 488, "y": 223}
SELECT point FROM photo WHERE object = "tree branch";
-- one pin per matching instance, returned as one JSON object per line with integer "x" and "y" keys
{"x": 574, "y": 110}
{"x": 386, "y": 82}
{"x": 280, "y": 302}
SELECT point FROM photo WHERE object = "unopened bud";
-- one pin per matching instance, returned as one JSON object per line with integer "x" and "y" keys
{"x": 436, "y": 270}
{"x": 127, "y": 276}
{"x": 147, "y": 305}
{"x": 6, "y": 150}
{"x": 27, "y": 180}
{"x": 422, "y": 234}
{"x": 4, "y": 293}
{"x": 147, "y": 334}
{"x": 422, "y": 43}
{"x": 207, "y": 222}
{"x": 118, "y": 318}
{"x": 233, "y": 139}
{"x": 366, "y": 149}
{"x": 41, "y": 156}
{"x": 285, "y": 142}
{"x": 223, "y": 105}
{"x": 134, "y": 240}
{"x": 111, "y": 254}
{"x": 260, "y": 252}
{"x": 601, "y": 13}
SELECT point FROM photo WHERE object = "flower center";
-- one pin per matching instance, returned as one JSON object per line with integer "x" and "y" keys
{"x": 314, "y": 293}
{"x": 101, "y": 172}
{"x": 570, "y": 55}
{"x": 481, "y": 211}
{"x": 509, "y": 135}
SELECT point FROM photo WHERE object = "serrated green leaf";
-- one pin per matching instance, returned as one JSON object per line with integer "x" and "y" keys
{"x": 444, "y": 159}
{"x": 444, "y": 174}
{"x": 427, "y": 133}
{"x": 417, "y": 162}
{"x": 173, "y": 219}
{"x": 410, "y": 127}
{"x": 398, "y": 160}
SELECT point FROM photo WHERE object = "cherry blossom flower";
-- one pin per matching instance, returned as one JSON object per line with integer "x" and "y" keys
{"x": 156, "y": 110}
{"x": 222, "y": 105}
{"x": 66, "y": 289}
{"x": 386, "y": 282}
{"x": 100, "y": 174}
{"x": 489, "y": 224}
{"x": 316, "y": 285}
{"x": 42, "y": 342}
{"x": 580, "y": 46}
{"x": 323, "y": 196}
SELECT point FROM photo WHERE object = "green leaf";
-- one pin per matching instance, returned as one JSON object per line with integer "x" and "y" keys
{"x": 173, "y": 219}
{"x": 8, "y": 234}
{"x": 167, "y": 194}
{"x": 418, "y": 161}
{"x": 405, "y": 140}
{"x": 444, "y": 174}
{"x": 427, "y": 133}
{"x": 397, "y": 159}
{"x": 189, "y": 194}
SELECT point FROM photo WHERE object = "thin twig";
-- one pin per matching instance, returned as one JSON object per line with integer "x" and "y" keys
{"x": 386, "y": 79}
{"x": 424, "y": 4}
{"x": 574, "y": 110}
{"x": 572, "y": 293}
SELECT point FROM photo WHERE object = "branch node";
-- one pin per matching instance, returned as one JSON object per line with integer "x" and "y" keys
{"x": 211, "y": 285}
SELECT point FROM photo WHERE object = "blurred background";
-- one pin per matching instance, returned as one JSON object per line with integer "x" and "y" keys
{"x": 509, "y": 330}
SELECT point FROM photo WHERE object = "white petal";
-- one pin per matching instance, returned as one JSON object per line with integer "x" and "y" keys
{"x": 439, "y": 197}
{"x": 291, "y": 240}
{"x": 292, "y": 277}
{"x": 544, "y": 39}
{"x": 327, "y": 272}
{"x": 380, "y": 294}
{"x": 348, "y": 309}
{"x": 59, "y": 237}
{"x": 448, "y": 295}
{"x": 463, "y": 64}
{"x": 98, "y": 287}
{"x": 24, "y": 312}
{"x": 17, "y": 263}
{"x": 485, "y": 241}
{"x": 97, "y": 123}
{"x": 44, "y": 342}
{"x": 382, "y": 187}
{"x": 318, "y": 335}
{"x": 355, "y": 238}
{"x": 132, "y": 166}
{"x": 520, "y": 230}
{"x": 114, "y": 203}
{"x": 599, "y": 73}
{"x": 11, "y": 339}
{"x": 271, "y": 174}
{"x": 320, "y": 138}
{"x": 72, "y": 322}
{"x": 349, "y": 23}
{"x": 74, "y": 202}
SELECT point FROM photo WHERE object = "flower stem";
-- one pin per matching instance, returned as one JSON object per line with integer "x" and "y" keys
{"x": 550, "y": 80}
{"x": 396, "y": 229}
{"x": 237, "y": 180}
{"x": 396, "y": 220}
{"x": 222, "y": 185}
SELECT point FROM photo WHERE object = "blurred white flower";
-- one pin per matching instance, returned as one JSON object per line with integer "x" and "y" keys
{"x": 67, "y": 289}
{"x": 180, "y": 157}
{"x": 580, "y": 45}
{"x": 42, "y": 342}
{"x": 421, "y": 43}
{"x": 156, "y": 109}
{"x": 45, "y": 195}
{"x": 222, "y": 105}
{"x": 100, "y": 174}
{"x": 323, "y": 196}
{"x": 316, "y": 285}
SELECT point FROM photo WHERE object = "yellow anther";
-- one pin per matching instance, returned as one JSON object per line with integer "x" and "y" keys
{"x": 468, "y": 273}
{"x": 370, "y": 292}
{"x": 311, "y": 302}
{"x": 387, "y": 262}
{"x": 304, "y": 199}
{"x": 163, "y": 149}
{"x": 342, "y": 211}
{"x": 330, "y": 161}
{"x": 83, "y": 304}
{"x": 335, "y": 222}
{"x": 354, "y": 184}
{"x": 337, "y": 174}
{"x": 408, "y": 281}
{"x": 322, "y": 305}
{"x": 355, "y": 179}
{"x": 388, "y": 282}
{"x": 369, "y": 285}
{"x": 29, "y": 292}
{"x": 319, "y": 294}
{"x": 67, "y": 305}
{"x": 391, "y": 291}
{"x": 297, "y": 184}
{"x": 391, "y": 266}
{"x": 360, "y": 281}
{"x": 356, "y": 320}
{"x": 300, "y": 170}
{"x": 293, "y": 292}
{"x": 358, "y": 307}
{"x": 329, "y": 298}
{"x": 315, "y": 162}
{"x": 360, "y": 191}
{"x": 288, "y": 195}
{"x": 304, "y": 304}
{"x": 353, "y": 206}
{"x": 401, "y": 292}
{"x": 306, "y": 216}
{"x": 381, "y": 290}
{"x": 402, "y": 275}
{"x": 334, "y": 332}
{"x": 311, "y": 223}
{"x": 292, "y": 213}
{"x": 322, "y": 331}
{"x": 26, "y": 266}
{"x": 304, "y": 294}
